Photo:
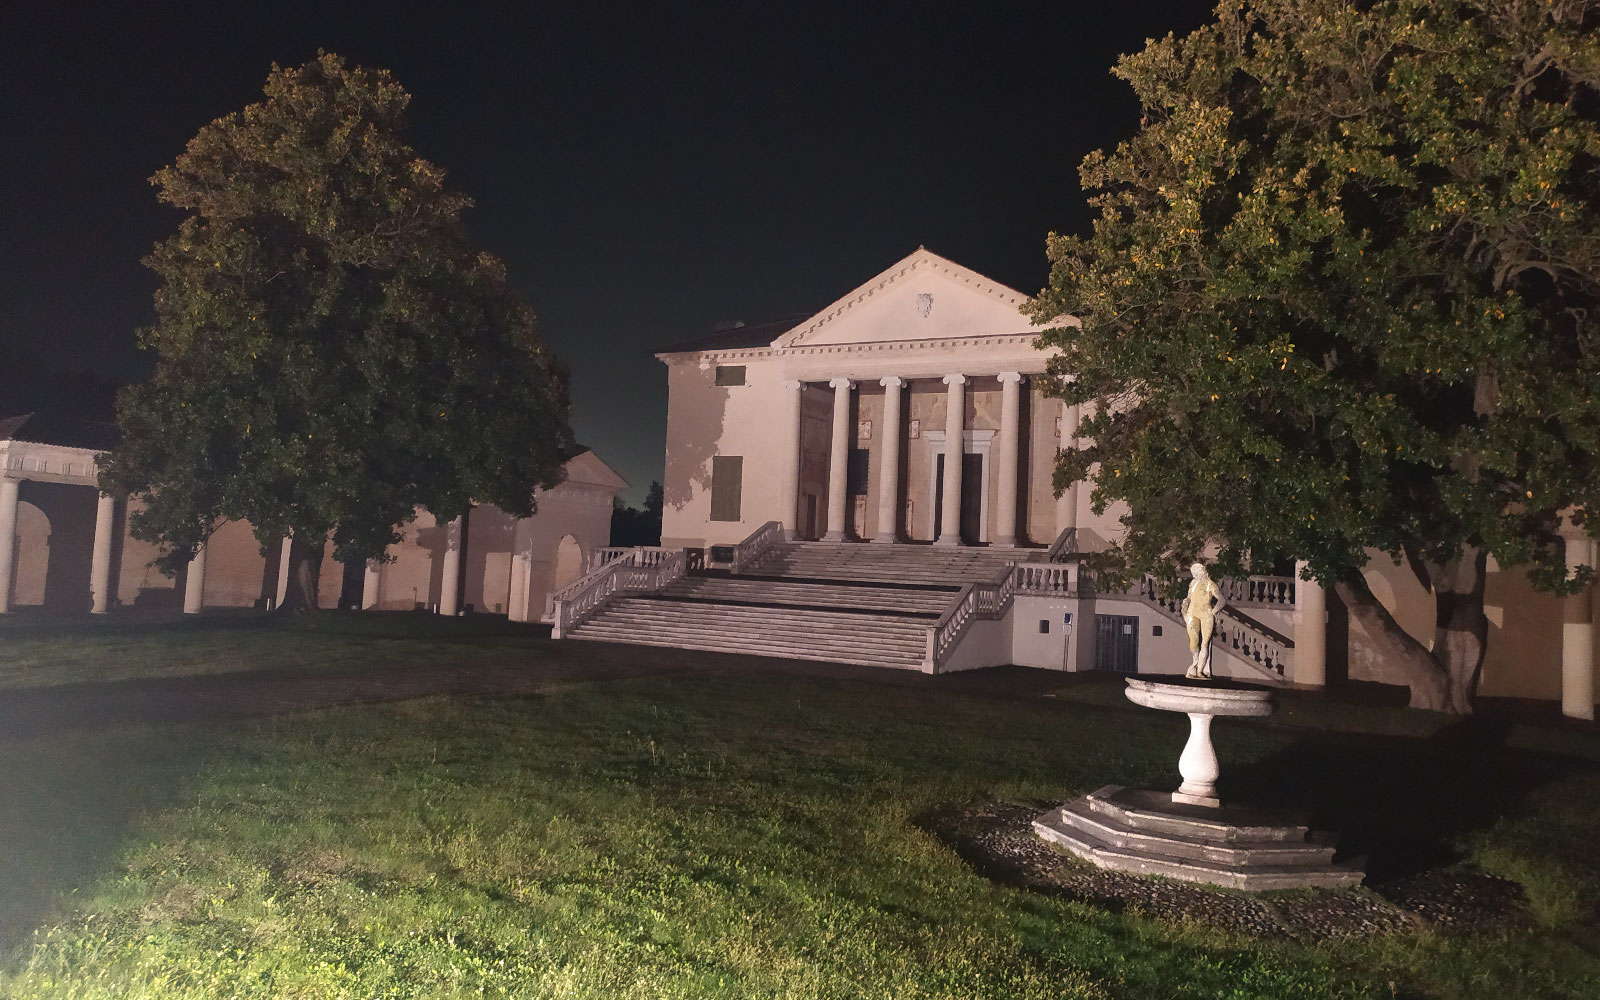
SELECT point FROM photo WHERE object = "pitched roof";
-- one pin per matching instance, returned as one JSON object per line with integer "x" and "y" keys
{"x": 58, "y": 428}
{"x": 740, "y": 337}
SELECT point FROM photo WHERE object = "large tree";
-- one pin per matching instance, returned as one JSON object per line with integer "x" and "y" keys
{"x": 1341, "y": 296}
{"x": 330, "y": 351}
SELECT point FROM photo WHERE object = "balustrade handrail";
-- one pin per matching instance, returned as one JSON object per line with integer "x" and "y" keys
{"x": 1259, "y": 591}
{"x": 1257, "y": 645}
{"x": 1065, "y": 543}
{"x": 988, "y": 601}
{"x": 1048, "y": 579}
{"x": 761, "y": 541}
{"x": 581, "y": 600}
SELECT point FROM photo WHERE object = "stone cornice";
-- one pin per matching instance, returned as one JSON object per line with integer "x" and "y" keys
{"x": 873, "y": 347}
{"x": 48, "y": 463}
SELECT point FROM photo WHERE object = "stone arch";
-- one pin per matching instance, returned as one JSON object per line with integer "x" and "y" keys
{"x": 55, "y": 529}
{"x": 30, "y": 570}
{"x": 568, "y": 562}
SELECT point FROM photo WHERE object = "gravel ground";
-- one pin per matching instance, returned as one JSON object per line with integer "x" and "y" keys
{"x": 997, "y": 839}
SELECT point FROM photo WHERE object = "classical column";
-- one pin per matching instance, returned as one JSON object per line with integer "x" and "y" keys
{"x": 955, "y": 420}
{"x": 1310, "y": 630}
{"x": 450, "y": 577}
{"x": 100, "y": 562}
{"x": 284, "y": 561}
{"x": 889, "y": 462}
{"x": 8, "y": 539}
{"x": 370, "y": 582}
{"x": 1577, "y": 638}
{"x": 789, "y": 483}
{"x": 1067, "y": 503}
{"x": 521, "y": 570}
{"x": 1010, "y": 408}
{"x": 194, "y": 583}
{"x": 839, "y": 460}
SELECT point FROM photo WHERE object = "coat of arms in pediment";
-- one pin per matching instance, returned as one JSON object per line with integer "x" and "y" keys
{"x": 924, "y": 304}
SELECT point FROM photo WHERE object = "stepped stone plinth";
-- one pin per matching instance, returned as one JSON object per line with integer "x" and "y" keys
{"x": 1189, "y": 834}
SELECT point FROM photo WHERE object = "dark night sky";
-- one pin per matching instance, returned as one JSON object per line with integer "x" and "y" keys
{"x": 645, "y": 170}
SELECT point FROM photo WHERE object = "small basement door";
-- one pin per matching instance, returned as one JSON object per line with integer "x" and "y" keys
{"x": 1116, "y": 643}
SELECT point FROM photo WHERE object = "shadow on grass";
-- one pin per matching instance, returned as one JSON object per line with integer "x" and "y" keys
{"x": 1401, "y": 803}
{"x": 66, "y": 806}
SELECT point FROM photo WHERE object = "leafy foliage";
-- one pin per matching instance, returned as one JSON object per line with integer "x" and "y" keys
{"x": 1341, "y": 291}
{"x": 331, "y": 352}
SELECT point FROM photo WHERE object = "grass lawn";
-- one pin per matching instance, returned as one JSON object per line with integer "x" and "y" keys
{"x": 711, "y": 831}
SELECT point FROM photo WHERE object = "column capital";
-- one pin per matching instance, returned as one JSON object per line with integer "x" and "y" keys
{"x": 1009, "y": 377}
{"x": 892, "y": 382}
{"x": 793, "y": 384}
{"x": 841, "y": 383}
{"x": 954, "y": 380}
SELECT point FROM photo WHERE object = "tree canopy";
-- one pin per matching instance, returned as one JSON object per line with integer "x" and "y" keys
{"x": 1341, "y": 296}
{"x": 330, "y": 351}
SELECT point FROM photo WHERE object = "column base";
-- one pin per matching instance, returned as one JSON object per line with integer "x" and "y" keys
{"x": 886, "y": 539}
{"x": 1005, "y": 543}
{"x": 834, "y": 536}
{"x": 948, "y": 543}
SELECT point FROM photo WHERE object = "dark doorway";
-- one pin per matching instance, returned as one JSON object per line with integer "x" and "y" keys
{"x": 1116, "y": 643}
{"x": 811, "y": 517}
{"x": 971, "y": 497}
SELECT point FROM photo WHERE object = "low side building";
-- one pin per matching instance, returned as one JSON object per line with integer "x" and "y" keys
{"x": 65, "y": 547}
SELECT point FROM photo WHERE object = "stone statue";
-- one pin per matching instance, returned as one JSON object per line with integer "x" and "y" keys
{"x": 1199, "y": 617}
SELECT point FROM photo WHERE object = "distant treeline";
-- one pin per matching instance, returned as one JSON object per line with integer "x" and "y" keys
{"x": 638, "y": 525}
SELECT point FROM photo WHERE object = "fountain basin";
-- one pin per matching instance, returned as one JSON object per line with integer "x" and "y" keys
{"x": 1201, "y": 700}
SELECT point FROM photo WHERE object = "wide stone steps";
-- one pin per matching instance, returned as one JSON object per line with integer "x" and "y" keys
{"x": 916, "y": 564}
{"x": 1130, "y": 830}
{"x": 778, "y": 590}
{"x": 869, "y": 639}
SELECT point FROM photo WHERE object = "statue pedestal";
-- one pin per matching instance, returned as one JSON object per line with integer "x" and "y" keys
{"x": 1189, "y": 834}
{"x": 1201, "y": 701}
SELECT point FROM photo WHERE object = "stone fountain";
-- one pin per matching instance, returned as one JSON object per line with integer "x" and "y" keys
{"x": 1189, "y": 833}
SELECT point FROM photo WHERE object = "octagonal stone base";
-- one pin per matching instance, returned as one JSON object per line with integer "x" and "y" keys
{"x": 1142, "y": 831}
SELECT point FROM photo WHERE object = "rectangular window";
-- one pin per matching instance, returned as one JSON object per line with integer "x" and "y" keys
{"x": 730, "y": 374}
{"x": 856, "y": 473}
{"x": 727, "y": 485}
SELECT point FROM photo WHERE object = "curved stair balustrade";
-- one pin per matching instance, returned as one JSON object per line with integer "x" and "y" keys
{"x": 1047, "y": 579}
{"x": 1251, "y": 642}
{"x": 655, "y": 570}
{"x": 987, "y": 601}
{"x": 1258, "y": 591}
{"x": 753, "y": 549}
{"x": 638, "y": 555}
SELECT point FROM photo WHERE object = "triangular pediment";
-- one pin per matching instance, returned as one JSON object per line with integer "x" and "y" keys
{"x": 588, "y": 469}
{"x": 923, "y": 297}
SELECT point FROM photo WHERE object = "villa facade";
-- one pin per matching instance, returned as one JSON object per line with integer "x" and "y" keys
{"x": 840, "y": 427}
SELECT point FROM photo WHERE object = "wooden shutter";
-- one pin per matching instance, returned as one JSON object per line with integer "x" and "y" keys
{"x": 727, "y": 486}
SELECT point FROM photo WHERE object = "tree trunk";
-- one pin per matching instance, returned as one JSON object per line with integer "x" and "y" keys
{"x": 1461, "y": 633}
{"x": 1401, "y": 659}
{"x": 305, "y": 569}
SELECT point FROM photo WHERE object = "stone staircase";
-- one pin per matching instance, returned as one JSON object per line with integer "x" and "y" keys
{"x": 1143, "y": 832}
{"x": 927, "y": 565}
{"x": 878, "y": 638}
{"x": 845, "y": 603}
